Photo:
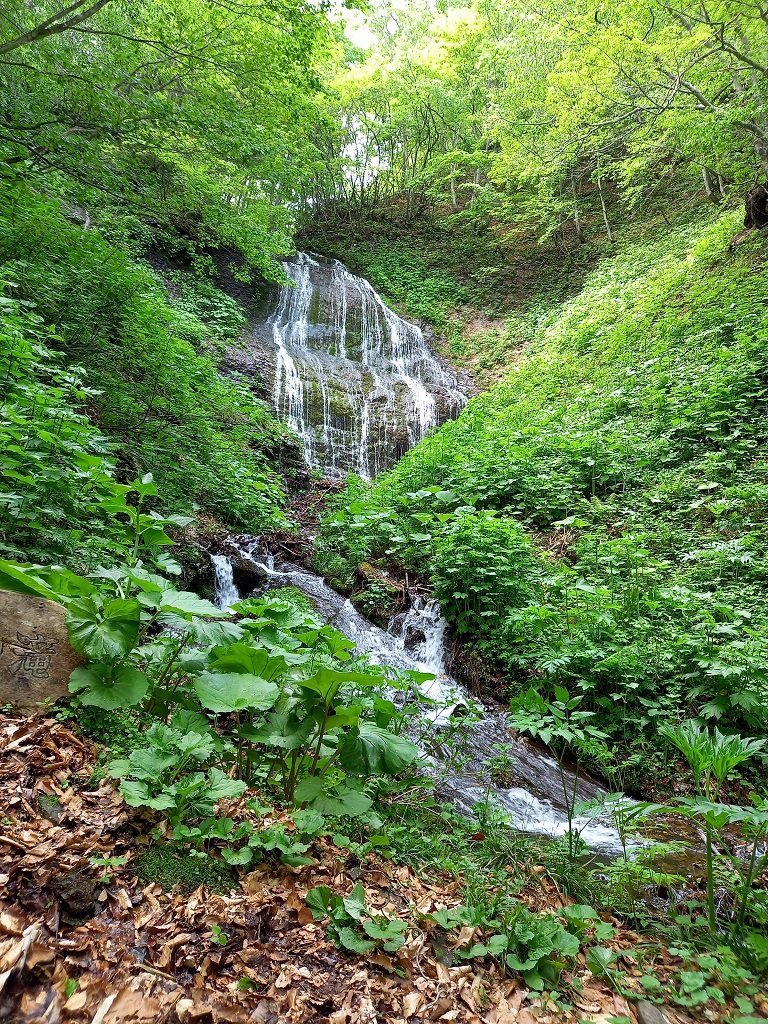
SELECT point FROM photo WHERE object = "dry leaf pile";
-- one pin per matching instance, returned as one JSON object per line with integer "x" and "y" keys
{"x": 141, "y": 954}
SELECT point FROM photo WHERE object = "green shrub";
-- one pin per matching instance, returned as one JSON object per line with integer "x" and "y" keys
{"x": 164, "y": 406}
{"x": 603, "y": 520}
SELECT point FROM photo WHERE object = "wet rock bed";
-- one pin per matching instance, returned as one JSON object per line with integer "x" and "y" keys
{"x": 87, "y": 943}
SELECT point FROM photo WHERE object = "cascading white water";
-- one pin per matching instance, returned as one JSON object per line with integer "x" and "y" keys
{"x": 415, "y": 641}
{"x": 360, "y": 386}
{"x": 225, "y": 593}
{"x": 357, "y": 383}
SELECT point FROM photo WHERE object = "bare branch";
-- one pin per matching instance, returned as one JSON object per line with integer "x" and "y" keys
{"x": 61, "y": 22}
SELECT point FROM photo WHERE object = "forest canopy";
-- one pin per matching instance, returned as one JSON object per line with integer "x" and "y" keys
{"x": 199, "y": 115}
{"x": 519, "y": 108}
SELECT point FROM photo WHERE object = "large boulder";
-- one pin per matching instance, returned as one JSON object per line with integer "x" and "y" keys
{"x": 36, "y": 659}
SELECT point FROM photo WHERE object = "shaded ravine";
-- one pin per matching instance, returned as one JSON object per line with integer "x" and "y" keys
{"x": 356, "y": 382}
{"x": 533, "y": 801}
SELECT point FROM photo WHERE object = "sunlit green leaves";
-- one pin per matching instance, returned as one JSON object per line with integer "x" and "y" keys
{"x": 109, "y": 687}
{"x": 234, "y": 691}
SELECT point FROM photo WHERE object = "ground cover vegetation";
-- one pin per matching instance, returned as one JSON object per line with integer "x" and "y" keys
{"x": 593, "y": 526}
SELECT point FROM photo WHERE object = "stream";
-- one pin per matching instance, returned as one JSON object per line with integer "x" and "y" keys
{"x": 533, "y": 801}
{"x": 360, "y": 386}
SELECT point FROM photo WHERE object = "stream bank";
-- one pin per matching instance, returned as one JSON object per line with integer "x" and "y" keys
{"x": 530, "y": 793}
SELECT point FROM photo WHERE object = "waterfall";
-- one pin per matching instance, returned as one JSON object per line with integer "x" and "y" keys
{"x": 356, "y": 382}
{"x": 225, "y": 593}
{"x": 360, "y": 386}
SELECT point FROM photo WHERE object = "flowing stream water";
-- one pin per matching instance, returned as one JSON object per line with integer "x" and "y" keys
{"x": 531, "y": 796}
{"x": 360, "y": 386}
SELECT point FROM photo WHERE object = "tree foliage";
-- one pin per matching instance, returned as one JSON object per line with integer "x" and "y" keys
{"x": 199, "y": 115}
{"x": 548, "y": 111}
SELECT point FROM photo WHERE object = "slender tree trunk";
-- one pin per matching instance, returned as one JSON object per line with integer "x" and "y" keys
{"x": 576, "y": 215}
{"x": 611, "y": 239}
{"x": 475, "y": 182}
{"x": 761, "y": 149}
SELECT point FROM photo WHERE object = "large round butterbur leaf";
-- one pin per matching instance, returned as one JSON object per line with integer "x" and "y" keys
{"x": 370, "y": 750}
{"x": 223, "y": 692}
{"x": 327, "y": 682}
{"x": 281, "y": 729}
{"x": 103, "y": 629}
{"x": 187, "y": 603}
{"x": 247, "y": 658}
{"x": 107, "y": 687}
{"x": 342, "y": 802}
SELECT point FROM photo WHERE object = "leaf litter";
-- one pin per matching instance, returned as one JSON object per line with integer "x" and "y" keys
{"x": 141, "y": 954}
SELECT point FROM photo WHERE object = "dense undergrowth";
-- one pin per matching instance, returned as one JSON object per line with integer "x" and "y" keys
{"x": 105, "y": 375}
{"x": 110, "y": 370}
{"x": 597, "y": 521}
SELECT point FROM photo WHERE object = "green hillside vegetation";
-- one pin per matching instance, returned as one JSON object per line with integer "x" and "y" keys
{"x": 574, "y": 199}
{"x": 598, "y": 521}
{"x": 89, "y": 332}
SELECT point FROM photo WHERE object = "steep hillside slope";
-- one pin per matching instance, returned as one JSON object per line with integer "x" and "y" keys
{"x": 106, "y": 373}
{"x": 598, "y": 520}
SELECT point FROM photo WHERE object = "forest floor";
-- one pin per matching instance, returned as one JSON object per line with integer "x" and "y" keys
{"x": 85, "y": 938}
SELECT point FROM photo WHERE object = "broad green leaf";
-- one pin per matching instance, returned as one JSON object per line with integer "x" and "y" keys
{"x": 354, "y": 904}
{"x": 220, "y": 786}
{"x": 103, "y": 686}
{"x": 327, "y": 682}
{"x": 389, "y": 930}
{"x": 187, "y": 603}
{"x": 342, "y": 803}
{"x": 350, "y": 940}
{"x": 282, "y": 729}
{"x": 238, "y": 858}
{"x": 370, "y": 750}
{"x": 103, "y": 630}
{"x": 136, "y": 794}
{"x": 201, "y": 630}
{"x": 308, "y": 789}
{"x": 254, "y": 660}
{"x": 600, "y": 959}
{"x": 308, "y": 822}
{"x": 318, "y": 901}
{"x": 23, "y": 580}
{"x": 568, "y": 944}
{"x": 223, "y": 692}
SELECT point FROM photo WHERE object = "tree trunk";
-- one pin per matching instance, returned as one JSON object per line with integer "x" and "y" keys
{"x": 576, "y": 215}
{"x": 611, "y": 239}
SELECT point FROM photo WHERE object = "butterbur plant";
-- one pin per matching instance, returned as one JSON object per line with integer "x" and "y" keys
{"x": 270, "y": 698}
{"x": 162, "y": 775}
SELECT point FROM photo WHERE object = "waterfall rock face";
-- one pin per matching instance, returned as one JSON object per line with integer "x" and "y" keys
{"x": 356, "y": 382}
